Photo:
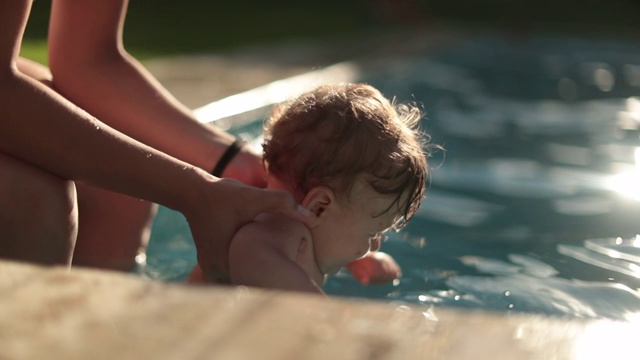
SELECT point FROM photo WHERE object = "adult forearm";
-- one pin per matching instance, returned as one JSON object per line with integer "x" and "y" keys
{"x": 123, "y": 94}
{"x": 92, "y": 69}
{"x": 61, "y": 138}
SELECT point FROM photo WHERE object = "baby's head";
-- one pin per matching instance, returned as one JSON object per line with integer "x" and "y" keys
{"x": 351, "y": 141}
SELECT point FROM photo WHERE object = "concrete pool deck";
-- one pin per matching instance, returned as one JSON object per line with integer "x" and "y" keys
{"x": 54, "y": 313}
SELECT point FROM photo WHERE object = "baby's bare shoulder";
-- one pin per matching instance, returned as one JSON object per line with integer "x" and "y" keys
{"x": 273, "y": 231}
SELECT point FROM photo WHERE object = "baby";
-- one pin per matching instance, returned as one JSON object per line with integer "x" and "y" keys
{"x": 352, "y": 158}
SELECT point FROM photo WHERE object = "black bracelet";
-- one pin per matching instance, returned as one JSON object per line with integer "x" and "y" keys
{"x": 228, "y": 155}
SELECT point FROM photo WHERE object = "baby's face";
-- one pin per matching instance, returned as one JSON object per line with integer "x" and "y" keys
{"x": 352, "y": 228}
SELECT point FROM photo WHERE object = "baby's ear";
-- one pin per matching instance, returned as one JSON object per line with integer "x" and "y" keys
{"x": 318, "y": 200}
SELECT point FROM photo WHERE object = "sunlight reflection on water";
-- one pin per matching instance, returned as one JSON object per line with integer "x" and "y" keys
{"x": 628, "y": 183}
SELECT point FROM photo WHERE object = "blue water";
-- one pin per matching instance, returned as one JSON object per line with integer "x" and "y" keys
{"x": 535, "y": 204}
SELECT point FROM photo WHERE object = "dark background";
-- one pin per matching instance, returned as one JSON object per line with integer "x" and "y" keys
{"x": 165, "y": 27}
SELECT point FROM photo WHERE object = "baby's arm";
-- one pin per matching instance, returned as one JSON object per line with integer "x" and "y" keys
{"x": 375, "y": 267}
{"x": 260, "y": 258}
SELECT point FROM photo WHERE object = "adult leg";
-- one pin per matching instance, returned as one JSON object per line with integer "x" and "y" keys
{"x": 113, "y": 228}
{"x": 38, "y": 214}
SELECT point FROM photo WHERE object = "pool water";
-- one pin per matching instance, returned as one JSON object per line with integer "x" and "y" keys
{"x": 533, "y": 207}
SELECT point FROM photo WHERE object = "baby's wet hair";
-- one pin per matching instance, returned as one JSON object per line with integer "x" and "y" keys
{"x": 337, "y": 134}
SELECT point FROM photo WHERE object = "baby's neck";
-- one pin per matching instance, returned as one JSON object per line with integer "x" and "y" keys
{"x": 274, "y": 183}
{"x": 312, "y": 267}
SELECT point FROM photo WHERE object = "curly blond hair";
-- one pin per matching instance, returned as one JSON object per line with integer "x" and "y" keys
{"x": 337, "y": 134}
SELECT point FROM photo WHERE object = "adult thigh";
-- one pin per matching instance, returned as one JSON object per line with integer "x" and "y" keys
{"x": 38, "y": 214}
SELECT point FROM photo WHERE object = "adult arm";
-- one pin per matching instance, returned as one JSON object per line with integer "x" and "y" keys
{"x": 91, "y": 68}
{"x": 42, "y": 128}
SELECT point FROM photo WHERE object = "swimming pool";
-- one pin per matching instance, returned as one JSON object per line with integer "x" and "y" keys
{"x": 535, "y": 204}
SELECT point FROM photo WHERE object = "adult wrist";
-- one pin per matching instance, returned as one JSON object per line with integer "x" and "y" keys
{"x": 227, "y": 157}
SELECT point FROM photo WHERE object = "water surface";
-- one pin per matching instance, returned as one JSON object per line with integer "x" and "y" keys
{"x": 535, "y": 204}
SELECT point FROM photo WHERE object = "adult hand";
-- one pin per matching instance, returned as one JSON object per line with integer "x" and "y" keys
{"x": 375, "y": 268}
{"x": 226, "y": 206}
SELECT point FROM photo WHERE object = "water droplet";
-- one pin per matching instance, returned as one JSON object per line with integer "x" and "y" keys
{"x": 507, "y": 293}
{"x": 510, "y": 306}
{"x": 95, "y": 124}
{"x": 141, "y": 259}
{"x": 456, "y": 298}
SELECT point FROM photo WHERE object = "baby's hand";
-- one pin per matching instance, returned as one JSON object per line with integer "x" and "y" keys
{"x": 375, "y": 267}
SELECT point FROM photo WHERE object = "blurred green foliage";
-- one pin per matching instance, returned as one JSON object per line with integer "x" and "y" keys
{"x": 159, "y": 28}
{"x": 166, "y": 27}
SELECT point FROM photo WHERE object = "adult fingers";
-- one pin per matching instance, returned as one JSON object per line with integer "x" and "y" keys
{"x": 283, "y": 202}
